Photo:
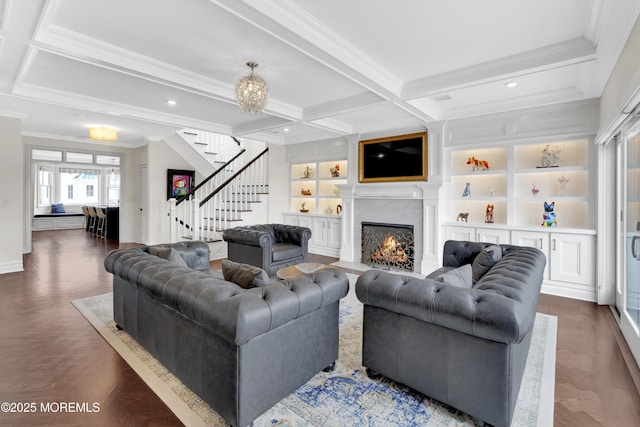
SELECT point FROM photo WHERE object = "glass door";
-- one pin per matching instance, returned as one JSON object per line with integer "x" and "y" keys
{"x": 628, "y": 289}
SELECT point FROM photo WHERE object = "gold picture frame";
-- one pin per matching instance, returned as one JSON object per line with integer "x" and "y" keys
{"x": 396, "y": 158}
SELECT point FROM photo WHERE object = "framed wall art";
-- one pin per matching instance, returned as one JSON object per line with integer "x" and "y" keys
{"x": 179, "y": 183}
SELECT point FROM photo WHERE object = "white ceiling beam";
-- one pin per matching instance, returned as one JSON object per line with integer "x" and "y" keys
{"x": 102, "y": 106}
{"x": 344, "y": 105}
{"x": 571, "y": 52}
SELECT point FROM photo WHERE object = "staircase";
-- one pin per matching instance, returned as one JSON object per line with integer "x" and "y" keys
{"x": 235, "y": 192}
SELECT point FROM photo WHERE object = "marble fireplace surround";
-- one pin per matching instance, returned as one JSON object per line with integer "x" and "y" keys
{"x": 411, "y": 203}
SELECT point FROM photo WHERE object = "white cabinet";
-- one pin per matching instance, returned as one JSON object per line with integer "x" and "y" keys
{"x": 492, "y": 235}
{"x": 533, "y": 239}
{"x": 477, "y": 234}
{"x": 572, "y": 258}
{"x": 326, "y": 232}
{"x": 571, "y": 266}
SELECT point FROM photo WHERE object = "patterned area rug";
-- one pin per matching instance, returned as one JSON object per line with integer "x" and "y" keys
{"x": 345, "y": 396}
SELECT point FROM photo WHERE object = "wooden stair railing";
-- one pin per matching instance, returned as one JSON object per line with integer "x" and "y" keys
{"x": 219, "y": 201}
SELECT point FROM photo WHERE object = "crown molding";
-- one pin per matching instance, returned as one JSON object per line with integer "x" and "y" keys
{"x": 525, "y": 102}
{"x": 101, "y": 106}
{"x": 85, "y": 140}
{"x": 574, "y": 51}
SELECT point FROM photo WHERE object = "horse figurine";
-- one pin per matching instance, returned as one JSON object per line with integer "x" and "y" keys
{"x": 477, "y": 164}
{"x": 463, "y": 216}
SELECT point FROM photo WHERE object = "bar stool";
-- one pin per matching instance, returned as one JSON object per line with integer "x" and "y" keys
{"x": 85, "y": 220}
{"x": 102, "y": 222}
{"x": 93, "y": 218}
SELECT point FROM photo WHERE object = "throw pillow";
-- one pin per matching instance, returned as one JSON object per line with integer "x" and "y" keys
{"x": 460, "y": 276}
{"x": 485, "y": 260}
{"x": 244, "y": 275}
{"x": 169, "y": 254}
{"x": 57, "y": 208}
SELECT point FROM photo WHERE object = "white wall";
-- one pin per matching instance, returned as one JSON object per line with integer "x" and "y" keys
{"x": 622, "y": 91}
{"x": 160, "y": 157}
{"x": 278, "y": 183}
{"x": 12, "y": 201}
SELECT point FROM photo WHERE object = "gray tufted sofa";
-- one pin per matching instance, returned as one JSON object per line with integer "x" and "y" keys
{"x": 466, "y": 347}
{"x": 268, "y": 246}
{"x": 240, "y": 350}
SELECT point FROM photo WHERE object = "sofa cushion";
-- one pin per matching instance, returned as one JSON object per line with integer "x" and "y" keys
{"x": 461, "y": 276}
{"x": 244, "y": 275}
{"x": 485, "y": 260}
{"x": 284, "y": 251}
{"x": 438, "y": 272}
{"x": 57, "y": 208}
{"x": 167, "y": 253}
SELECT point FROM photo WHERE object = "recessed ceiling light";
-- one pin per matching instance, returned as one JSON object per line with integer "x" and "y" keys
{"x": 511, "y": 84}
{"x": 286, "y": 129}
{"x": 171, "y": 102}
{"x": 441, "y": 98}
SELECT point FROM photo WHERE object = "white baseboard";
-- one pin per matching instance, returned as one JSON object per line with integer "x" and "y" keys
{"x": 11, "y": 267}
{"x": 565, "y": 290}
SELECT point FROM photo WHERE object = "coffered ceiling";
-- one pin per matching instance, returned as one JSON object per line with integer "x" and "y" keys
{"x": 334, "y": 68}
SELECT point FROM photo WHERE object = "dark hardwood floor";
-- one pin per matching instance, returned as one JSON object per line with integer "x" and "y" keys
{"x": 50, "y": 354}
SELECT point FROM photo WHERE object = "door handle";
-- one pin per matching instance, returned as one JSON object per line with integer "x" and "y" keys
{"x": 634, "y": 244}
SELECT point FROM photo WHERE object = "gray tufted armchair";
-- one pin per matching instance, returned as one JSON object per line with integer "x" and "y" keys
{"x": 268, "y": 246}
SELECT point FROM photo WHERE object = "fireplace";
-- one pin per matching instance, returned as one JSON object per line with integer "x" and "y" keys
{"x": 388, "y": 246}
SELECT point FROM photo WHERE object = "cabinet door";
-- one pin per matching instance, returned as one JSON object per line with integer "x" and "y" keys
{"x": 319, "y": 232}
{"x": 492, "y": 235}
{"x": 533, "y": 239}
{"x": 572, "y": 258}
{"x": 305, "y": 221}
{"x": 463, "y": 234}
{"x": 334, "y": 233}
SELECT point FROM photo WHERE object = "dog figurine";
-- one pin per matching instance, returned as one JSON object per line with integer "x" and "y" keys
{"x": 477, "y": 164}
{"x": 488, "y": 216}
{"x": 463, "y": 216}
{"x": 549, "y": 217}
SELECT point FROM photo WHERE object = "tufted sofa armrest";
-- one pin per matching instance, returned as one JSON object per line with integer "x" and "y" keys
{"x": 500, "y": 307}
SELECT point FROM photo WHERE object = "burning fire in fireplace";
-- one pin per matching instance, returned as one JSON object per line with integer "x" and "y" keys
{"x": 390, "y": 252}
{"x": 388, "y": 246}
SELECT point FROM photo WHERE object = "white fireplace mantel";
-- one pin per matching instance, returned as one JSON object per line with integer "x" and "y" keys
{"x": 412, "y": 202}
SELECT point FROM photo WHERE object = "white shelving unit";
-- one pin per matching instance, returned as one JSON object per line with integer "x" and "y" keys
{"x": 314, "y": 185}
{"x": 508, "y": 184}
{"x": 315, "y": 202}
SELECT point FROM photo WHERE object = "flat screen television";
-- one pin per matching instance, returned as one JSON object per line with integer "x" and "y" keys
{"x": 397, "y": 158}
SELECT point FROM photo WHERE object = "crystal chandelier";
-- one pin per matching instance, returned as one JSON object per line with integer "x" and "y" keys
{"x": 252, "y": 92}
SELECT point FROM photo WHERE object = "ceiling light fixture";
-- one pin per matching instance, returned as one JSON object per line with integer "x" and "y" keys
{"x": 171, "y": 102}
{"x": 511, "y": 84}
{"x": 103, "y": 134}
{"x": 252, "y": 92}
